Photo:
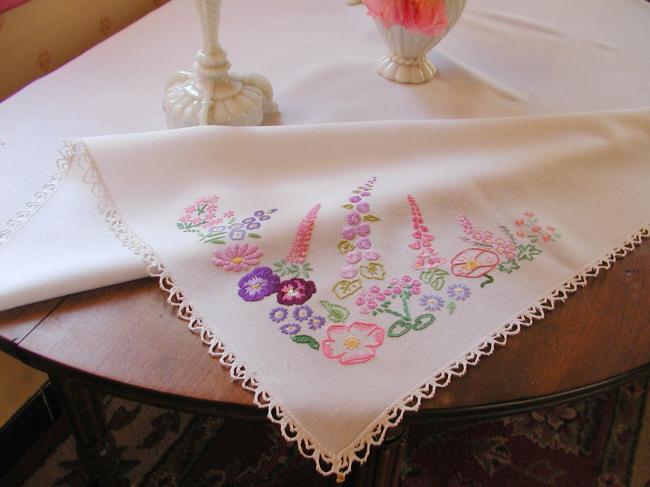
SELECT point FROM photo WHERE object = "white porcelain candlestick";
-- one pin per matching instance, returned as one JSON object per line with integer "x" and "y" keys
{"x": 211, "y": 95}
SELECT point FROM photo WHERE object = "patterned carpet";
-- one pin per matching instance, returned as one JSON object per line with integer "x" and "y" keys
{"x": 603, "y": 441}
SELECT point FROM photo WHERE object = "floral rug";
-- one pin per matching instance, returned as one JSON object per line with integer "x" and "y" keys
{"x": 603, "y": 441}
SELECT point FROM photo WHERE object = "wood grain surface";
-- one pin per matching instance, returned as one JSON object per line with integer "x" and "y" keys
{"x": 128, "y": 335}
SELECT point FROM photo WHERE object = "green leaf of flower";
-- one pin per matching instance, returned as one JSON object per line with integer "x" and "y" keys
{"x": 451, "y": 306}
{"x": 335, "y": 312}
{"x": 254, "y": 235}
{"x": 370, "y": 218}
{"x": 307, "y": 340}
{"x": 347, "y": 206}
{"x": 527, "y": 252}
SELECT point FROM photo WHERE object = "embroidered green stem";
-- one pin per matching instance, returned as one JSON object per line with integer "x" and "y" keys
{"x": 488, "y": 280}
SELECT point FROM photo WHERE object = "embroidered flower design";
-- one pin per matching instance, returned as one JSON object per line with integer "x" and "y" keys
{"x": 238, "y": 257}
{"x": 316, "y": 322}
{"x": 348, "y": 271}
{"x": 459, "y": 292}
{"x": 432, "y": 302}
{"x": 200, "y": 214}
{"x": 258, "y": 284}
{"x": 302, "y": 313}
{"x": 473, "y": 263}
{"x": 278, "y": 315}
{"x": 352, "y": 344}
{"x": 290, "y": 328}
{"x": 295, "y": 291}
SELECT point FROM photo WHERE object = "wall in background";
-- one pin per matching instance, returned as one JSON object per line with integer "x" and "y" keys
{"x": 40, "y": 35}
{"x": 35, "y": 38}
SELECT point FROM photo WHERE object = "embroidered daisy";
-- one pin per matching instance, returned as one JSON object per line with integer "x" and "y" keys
{"x": 459, "y": 292}
{"x": 432, "y": 302}
{"x": 290, "y": 328}
{"x": 302, "y": 313}
{"x": 278, "y": 314}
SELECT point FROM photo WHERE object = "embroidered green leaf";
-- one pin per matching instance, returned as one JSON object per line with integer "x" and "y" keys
{"x": 215, "y": 241}
{"x": 527, "y": 252}
{"x": 374, "y": 270}
{"x": 400, "y": 328}
{"x": 232, "y": 220}
{"x": 254, "y": 235}
{"x": 345, "y": 288}
{"x": 306, "y": 269}
{"x": 509, "y": 266}
{"x": 307, "y": 340}
{"x": 348, "y": 206}
{"x": 345, "y": 246}
{"x": 335, "y": 313}
{"x": 293, "y": 269}
{"x": 356, "y": 191}
{"x": 370, "y": 218}
{"x": 434, "y": 277}
{"x": 423, "y": 321}
{"x": 451, "y": 306}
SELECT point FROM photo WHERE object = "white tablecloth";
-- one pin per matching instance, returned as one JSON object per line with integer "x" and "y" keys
{"x": 505, "y": 58}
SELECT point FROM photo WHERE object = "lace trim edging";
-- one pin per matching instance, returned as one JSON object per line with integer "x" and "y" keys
{"x": 40, "y": 197}
{"x": 326, "y": 463}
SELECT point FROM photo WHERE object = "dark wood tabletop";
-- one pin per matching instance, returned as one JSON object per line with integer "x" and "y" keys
{"x": 127, "y": 338}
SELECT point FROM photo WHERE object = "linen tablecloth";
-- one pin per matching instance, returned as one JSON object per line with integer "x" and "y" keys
{"x": 343, "y": 271}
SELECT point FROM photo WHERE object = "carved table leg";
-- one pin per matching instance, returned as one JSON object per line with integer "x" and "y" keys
{"x": 382, "y": 469}
{"x": 95, "y": 444}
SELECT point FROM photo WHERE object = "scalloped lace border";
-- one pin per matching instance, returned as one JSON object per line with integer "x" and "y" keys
{"x": 327, "y": 463}
{"x": 40, "y": 197}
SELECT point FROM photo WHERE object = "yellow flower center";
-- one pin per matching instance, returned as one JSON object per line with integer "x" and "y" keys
{"x": 237, "y": 260}
{"x": 351, "y": 343}
{"x": 471, "y": 265}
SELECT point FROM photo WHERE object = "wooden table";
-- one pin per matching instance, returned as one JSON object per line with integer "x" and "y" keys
{"x": 127, "y": 341}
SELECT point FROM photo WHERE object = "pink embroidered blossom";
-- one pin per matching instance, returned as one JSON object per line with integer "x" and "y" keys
{"x": 353, "y": 257}
{"x": 238, "y": 257}
{"x": 348, "y": 272}
{"x": 363, "y": 230}
{"x": 364, "y": 243}
{"x": 349, "y": 233}
{"x": 485, "y": 238}
{"x": 298, "y": 251}
{"x": 352, "y": 344}
{"x": 473, "y": 263}
{"x": 427, "y": 256}
{"x": 200, "y": 214}
{"x": 534, "y": 231}
{"x": 428, "y": 17}
{"x": 371, "y": 255}
{"x": 354, "y": 218}
{"x": 363, "y": 207}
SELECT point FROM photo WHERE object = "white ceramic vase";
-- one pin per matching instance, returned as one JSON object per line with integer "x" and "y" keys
{"x": 211, "y": 94}
{"x": 406, "y": 61}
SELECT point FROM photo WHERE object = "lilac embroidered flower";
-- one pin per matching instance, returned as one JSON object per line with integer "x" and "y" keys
{"x": 354, "y": 218}
{"x": 371, "y": 254}
{"x": 363, "y": 230}
{"x": 349, "y": 233}
{"x": 278, "y": 314}
{"x": 432, "y": 302}
{"x": 363, "y": 207}
{"x": 258, "y": 284}
{"x": 364, "y": 243}
{"x": 253, "y": 226}
{"x": 290, "y": 328}
{"x": 348, "y": 272}
{"x": 316, "y": 322}
{"x": 259, "y": 213}
{"x": 248, "y": 220}
{"x": 295, "y": 291}
{"x": 237, "y": 235}
{"x": 459, "y": 292}
{"x": 263, "y": 218}
{"x": 236, "y": 226}
{"x": 217, "y": 229}
{"x": 353, "y": 257}
{"x": 354, "y": 199}
{"x": 302, "y": 313}
{"x": 238, "y": 257}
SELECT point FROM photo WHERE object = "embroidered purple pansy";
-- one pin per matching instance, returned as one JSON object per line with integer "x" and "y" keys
{"x": 295, "y": 291}
{"x": 258, "y": 284}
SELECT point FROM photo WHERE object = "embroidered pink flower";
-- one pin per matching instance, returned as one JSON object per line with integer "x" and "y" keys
{"x": 364, "y": 243}
{"x": 295, "y": 291}
{"x": 363, "y": 230}
{"x": 371, "y": 255}
{"x": 473, "y": 263}
{"x": 363, "y": 207}
{"x": 426, "y": 16}
{"x": 238, "y": 257}
{"x": 352, "y": 344}
{"x": 348, "y": 272}
{"x": 349, "y": 233}
{"x": 354, "y": 218}
{"x": 353, "y": 257}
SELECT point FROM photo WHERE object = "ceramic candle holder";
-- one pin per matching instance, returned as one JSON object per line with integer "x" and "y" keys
{"x": 406, "y": 61}
{"x": 211, "y": 94}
